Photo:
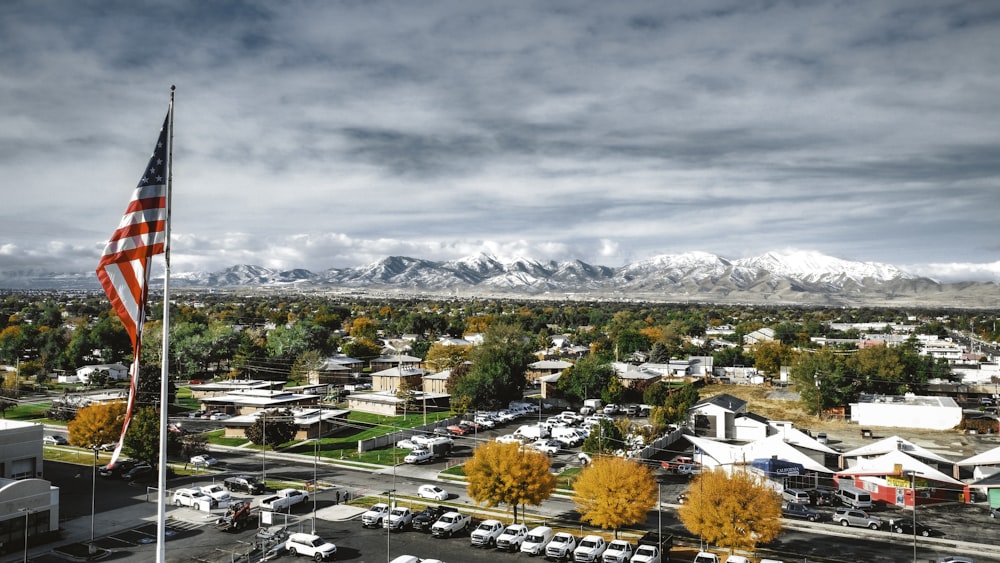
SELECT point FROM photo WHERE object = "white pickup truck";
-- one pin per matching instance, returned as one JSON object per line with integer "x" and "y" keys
{"x": 451, "y": 523}
{"x": 399, "y": 518}
{"x": 284, "y": 499}
{"x": 375, "y": 515}
{"x": 512, "y": 537}
{"x": 591, "y": 548}
{"x": 561, "y": 546}
{"x": 618, "y": 551}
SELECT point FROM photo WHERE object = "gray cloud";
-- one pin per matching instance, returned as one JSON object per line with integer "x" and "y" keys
{"x": 329, "y": 134}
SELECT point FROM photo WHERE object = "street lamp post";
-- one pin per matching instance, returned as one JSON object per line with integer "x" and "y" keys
{"x": 27, "y": 512}
{"x": 315, "y": 482}
{"x": 913, "y": 487}
{"x": 93, "y": 501}
{"x": 263, "y": 447}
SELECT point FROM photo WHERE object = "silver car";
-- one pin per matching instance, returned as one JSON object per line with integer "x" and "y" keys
{"x": 855, "y": 517}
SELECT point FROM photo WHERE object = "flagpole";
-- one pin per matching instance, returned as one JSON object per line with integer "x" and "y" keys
{"x": 161, "y": 511}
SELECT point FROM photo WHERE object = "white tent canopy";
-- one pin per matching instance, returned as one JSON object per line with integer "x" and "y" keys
{"x": 796, "y": 437}
{"x": 989, "y": 457}
{"x": 895, "y": 443}
{"x": 771, "y": 447}
{"x": 886, "y": 465}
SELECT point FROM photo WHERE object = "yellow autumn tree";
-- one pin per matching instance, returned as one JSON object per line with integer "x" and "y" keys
{"x": 442, "y": 356}
{"x": 613, "y": 492}
{"x": 505, "y": 474}
{"x": 96, "y": 424}
{"x": 733, "y": 511}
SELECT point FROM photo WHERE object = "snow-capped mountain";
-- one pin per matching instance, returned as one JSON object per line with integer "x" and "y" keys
{"x": 793, "y": 277}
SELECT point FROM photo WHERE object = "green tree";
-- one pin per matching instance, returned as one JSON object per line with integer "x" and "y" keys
{"x": 613, "y": 492}
{"x": 362, "y": 349}
{"x": 505, "y": 474}
{"x": 770, "y": 355}
{"x": 588, "y": 377}
{"x": 142, "y": 440}
{"x": 308, "y": 362}
{"x": 272, "y": 428}
{"x": 497, "y": 374}
{"x": 822, "y": 381}
{"x": 606, "y": 438}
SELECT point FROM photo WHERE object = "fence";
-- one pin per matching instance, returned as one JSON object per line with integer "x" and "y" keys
{"x": 391, "y": 438}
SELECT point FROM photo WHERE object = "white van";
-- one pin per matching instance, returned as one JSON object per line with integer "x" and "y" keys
{"x": 534, "y": 543}
{"x": 854, "y": 497}
{"x": 795, "y": 495}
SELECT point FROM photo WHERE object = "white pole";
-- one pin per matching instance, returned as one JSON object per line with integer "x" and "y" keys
{"x": 161, "y": 509}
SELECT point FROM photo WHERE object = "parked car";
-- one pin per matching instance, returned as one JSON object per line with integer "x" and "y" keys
{"x": 905, "y": 526}
{"x": 310, "y": 545}
{"x": 954, "y": 559}
{"x": 618, "y": 551}
{"x": 217, "y": 492}
{"x": 55, "y": 440}
{"x": 203, "y": 461}
{"x": 423, "y": 520}
{"x": 591, "y": 548}
{"x": 118, "y": 470}
{"x": 418, "y": 456}
{"x": 193, "y": 498}
{"x": 433, "y": 492}
{"x": 534, "y": 543}
{"x": 706, "y": 557}
{"x": 799, "y": 510}
{"x": 512, "y": 537}
{"x": 561, "y": 546}
{"x": 854, "y": 517}
{"x": 375, "y": 515}
{"x": 486, "y": 533}
{"x": 139, "y": 472}
{"x": 451, "y": 523}
{"x": 399, "y": 518}
{"x": 244, "y": 484}
{"x": 284, "y": 499}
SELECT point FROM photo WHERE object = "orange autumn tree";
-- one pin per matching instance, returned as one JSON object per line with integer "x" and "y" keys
{"x": 733, "y": 511}
{"x": 613, "y": 492}
{"x": 504, "y": 474}
{"x": 97, "y": 424}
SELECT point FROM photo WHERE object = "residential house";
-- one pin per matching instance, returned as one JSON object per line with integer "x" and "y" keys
{"x": 249, "y": 401}
{"x": 336, "y": 370}
{"x": 386, "y": 362}
{"x": 545, "y": 367}
{"x": 392, "y": 379}
{"x": 715, "y": 417}
{"x": 760, "y": 335}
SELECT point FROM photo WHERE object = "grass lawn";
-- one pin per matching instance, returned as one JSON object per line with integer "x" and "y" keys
{"x": 32, "y": 412}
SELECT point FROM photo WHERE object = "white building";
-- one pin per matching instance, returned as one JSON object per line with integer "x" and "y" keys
{"x": 24, "y": 496}
{"x": 909, "y": 411}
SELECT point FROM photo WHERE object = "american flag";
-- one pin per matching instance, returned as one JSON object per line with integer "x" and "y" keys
{"x": 124, "y": 267}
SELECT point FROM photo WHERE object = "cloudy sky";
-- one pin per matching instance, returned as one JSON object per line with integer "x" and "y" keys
{"x": 332, "y": 134}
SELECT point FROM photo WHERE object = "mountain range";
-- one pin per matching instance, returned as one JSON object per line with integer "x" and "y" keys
{"x": 802, "y": 277}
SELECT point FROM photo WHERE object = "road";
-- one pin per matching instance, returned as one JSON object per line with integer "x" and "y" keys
{"x": 196, "y": 540}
